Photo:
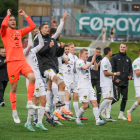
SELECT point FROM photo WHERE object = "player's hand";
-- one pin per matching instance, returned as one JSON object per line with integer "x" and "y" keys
{"x": 62, "y": 45}
{"x": 118, "y": 80}
{"x": 36, "y": 31}
{"x": 22, "y": 13}
{"x": 99, "y": 63}
{"x": 66, "y": 61}
{"x": 118, "y": 73}
{"x": 64, "y": 16}
{"x": 54, "y": 23}
{"x": 93, "y": 58}
{"x": 129, "y": 77}
{"x": 9, "y": 12}
{"x": 5, "y": 61}
{"x": 51, "y": 44}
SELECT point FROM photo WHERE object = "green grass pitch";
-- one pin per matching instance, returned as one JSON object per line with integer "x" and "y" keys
{"x": 120, "y": 130}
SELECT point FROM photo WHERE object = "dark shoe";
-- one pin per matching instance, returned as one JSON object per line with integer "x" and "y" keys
{"x": 34, "y": 122}
{"x": 2, "y": 104}
{"x": 59, "y": 104}
{"x": 50, "y": 121}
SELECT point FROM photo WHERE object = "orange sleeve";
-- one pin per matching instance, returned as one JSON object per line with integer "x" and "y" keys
{"x": 4, "y": 25}
{"x": 29, "y": 28}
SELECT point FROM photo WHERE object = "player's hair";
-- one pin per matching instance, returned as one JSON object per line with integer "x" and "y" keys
{"x": 23, "y": 38}
{"x": 41, "y": 26}
{"x": 124, "y": 44}
{"x": 12, "y": 16}
{"x": 1, "y": 47}
{"x": 66, "y": 45}
{"x": 70, "y": 44}
{"x": 106, "y": 50}
{"x": 52, "y": 31}
{"x": 83, "y": 50}
{"x": 98, "y": 48}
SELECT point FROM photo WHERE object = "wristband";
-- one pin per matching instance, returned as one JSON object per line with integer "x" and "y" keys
{"x": 114, "y": 73}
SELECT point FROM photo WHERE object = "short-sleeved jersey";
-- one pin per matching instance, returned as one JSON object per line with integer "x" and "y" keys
{"x": 75, "y": 59}
{"x": 105, "y": 81}
{"x": 136, "y": 66}
{"x": 84, "y": 80}
{"x": 12, "y": 39}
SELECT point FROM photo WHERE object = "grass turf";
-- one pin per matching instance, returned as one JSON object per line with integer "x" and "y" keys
{"x": 121, "y": 130}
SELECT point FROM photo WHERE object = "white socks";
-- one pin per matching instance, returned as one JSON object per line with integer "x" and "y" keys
{"x": 66, "y": 105}
{"x": 30, "y": 115}
{"x": 96, "y": 113}
{"x": 103, "y": 105}
{"x": 61, "y": 96}
{"x": 35, "y": 115}
{"x": 76, "y": 108}
{"x": 134, "y": 106}
{"x": 70, "y": 105}
{"x": 55, "y": 88}
{"x": 108, "y": 109}
{"x": 80, "y": 113}
{"x": 41, "y": 111}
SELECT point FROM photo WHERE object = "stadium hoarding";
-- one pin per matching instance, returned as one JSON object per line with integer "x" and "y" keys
{"x": 93, "y": 23}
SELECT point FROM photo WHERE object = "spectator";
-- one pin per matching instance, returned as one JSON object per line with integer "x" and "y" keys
{"x": 104, "y": 34}
{"x": 3, "y": 76}
{"x": 95, "y": 75}
{"x": 112, "y": 34}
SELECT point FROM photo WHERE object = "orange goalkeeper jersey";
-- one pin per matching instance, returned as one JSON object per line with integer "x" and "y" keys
{"x": 12, "y": 39}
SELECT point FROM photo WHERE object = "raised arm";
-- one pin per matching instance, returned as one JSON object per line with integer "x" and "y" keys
{"x": 30, "y": 22}
{"x": 60, "y": 27}
{"x": 41, "y": 42}
{"x": 5, "y": 23}
{"x": 30, "y": 44}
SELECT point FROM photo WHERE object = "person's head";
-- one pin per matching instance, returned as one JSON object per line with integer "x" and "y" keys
{"x": 71, "y": 48}
{"x": 24, "y": 42}
{"x": 66, "y": 49}
{"x": 107, "y": 51}
{"x": 1, "y": 47}
{"x": 123, "y": 47}
{"x": 84, "y": 54}
{"x": 44, "y": 28}
{"x": 12, "y": 22}
{"x": 112, "y": 28}
{"x": 98, "y": 51}
{"x": 104, "y": 26}
{"x": 52, "y": 32}
{"x": 3, "y": 52}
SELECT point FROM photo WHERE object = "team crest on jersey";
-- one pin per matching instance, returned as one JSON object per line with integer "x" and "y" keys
{"x": 37, "y": 90}
{"x": 80, "y": 64}
{"x": 14, "y": 35}
{"x": 127, "y": 60}
{"x": 12, "y": 77}
{"x": 105, "y": 66}
{"x": 85, "y": 97}
{"x": 60, "y": 74}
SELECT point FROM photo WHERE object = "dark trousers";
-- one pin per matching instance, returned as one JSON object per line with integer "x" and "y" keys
{"x": 96, "y": 83}
{"x": 3, "y": 85}
{"x": 123, "y": 90}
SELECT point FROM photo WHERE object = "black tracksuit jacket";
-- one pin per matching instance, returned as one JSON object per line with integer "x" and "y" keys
{"x": 47, "y": 57}
{"x": 121, "y": 63}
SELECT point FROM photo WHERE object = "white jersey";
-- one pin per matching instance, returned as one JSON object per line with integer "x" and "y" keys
{"x": 31, "y": 56}
{"x": 68, "y": 71}
{"x": 75, "y": 59}
{"x": 60, "y": 62}
{"x": 136, "y": 66}
{"x": 105, "y": 81}
{"x": 84, "y": 75}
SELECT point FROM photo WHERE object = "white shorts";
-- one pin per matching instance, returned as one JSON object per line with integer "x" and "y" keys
{"x": 75, "y": 88}
{"x": 49, "y": 74}
{"x": 60, "y": 78}
{"x": 107, "y": 92}
{"x": 86, "y": 95}
{"x": 69, "y": 87}
{"x": 39, "y": 87}
{"x": 137, "y": 90}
